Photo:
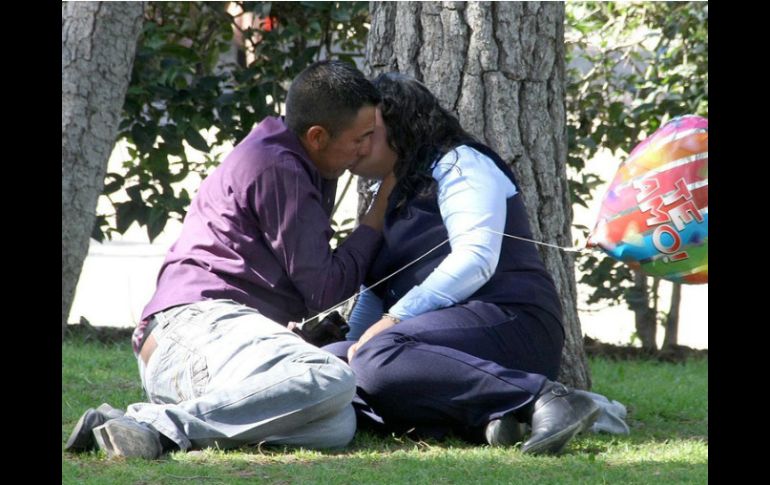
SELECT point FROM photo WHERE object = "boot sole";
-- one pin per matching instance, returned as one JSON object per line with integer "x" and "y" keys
{"x": 544, "y": 446}
{"x": 515, "y": 434}
{"x": 82, "y": 439}
{"x": 103, "y": 441}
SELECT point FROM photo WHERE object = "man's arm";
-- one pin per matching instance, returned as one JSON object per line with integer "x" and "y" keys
{"x": 376, "y": 216}
{"x": 296, "y": 228}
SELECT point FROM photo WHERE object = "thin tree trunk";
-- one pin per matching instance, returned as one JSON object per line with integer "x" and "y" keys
{"x": 500, "y": 67}
{"x": 98, "y": 44}
{"x": 672, "y": 320}
{"x": 645, "y": 319}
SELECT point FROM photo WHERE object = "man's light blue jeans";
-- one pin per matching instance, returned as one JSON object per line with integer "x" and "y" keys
{"x": 225, "y": 376}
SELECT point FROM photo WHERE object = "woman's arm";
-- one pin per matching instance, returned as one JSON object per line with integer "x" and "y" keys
{"x": 367, "y": 310}
{"x": 472, "y": 196}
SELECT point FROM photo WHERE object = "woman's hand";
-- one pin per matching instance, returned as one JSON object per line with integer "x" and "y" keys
{"x": 383, "y": 324}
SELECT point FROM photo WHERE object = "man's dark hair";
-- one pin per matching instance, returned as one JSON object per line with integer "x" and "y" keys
{"x": 329, "y": 94}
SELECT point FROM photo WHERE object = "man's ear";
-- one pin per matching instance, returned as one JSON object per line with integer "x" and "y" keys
{"x": 317, "y": 137}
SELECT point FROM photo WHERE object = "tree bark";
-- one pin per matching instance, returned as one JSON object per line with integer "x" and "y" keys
{"x": 671, "y": 338}
{"x": 645, "y": 316}
{"x": 98, "y": 44}
{"x": 499, "y": 66}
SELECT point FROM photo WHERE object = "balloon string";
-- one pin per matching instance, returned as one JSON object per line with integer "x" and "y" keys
{"x": 574, "y": 249}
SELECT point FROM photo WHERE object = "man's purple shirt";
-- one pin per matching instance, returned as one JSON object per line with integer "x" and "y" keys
{"x": 258, "y": 233}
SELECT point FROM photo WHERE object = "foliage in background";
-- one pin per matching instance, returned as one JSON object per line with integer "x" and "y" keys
{"x": 215, "y": 66}
{"x": 634, "y": 66}
{"x": 220, "y": 67}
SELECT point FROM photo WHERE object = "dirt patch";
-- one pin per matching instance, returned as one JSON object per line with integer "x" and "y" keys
{"x": 85, "y": 332}
{"x": 675, "y": 353}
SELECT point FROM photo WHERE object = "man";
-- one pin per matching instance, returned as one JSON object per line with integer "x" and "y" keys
{"x": 215, "y": 358}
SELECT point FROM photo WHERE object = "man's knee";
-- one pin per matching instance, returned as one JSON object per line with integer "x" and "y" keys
{"x": 343, "y": 377}
{"x": 341, "y": 429}
{"x": 335, "y": 430}
{"x": 334, "y": 378}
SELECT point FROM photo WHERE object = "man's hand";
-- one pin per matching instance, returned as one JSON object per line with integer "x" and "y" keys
{"x": 381, "y": 158}
{"x": 376, "y": 215}
{"x": 383, "y": 324}
{"x": 388, "y": 182}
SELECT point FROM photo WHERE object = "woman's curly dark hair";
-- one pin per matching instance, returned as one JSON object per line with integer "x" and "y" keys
{"x": 419, "y": 130}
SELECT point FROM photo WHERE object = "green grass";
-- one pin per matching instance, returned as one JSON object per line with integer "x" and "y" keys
{"x": 668, "y": 415}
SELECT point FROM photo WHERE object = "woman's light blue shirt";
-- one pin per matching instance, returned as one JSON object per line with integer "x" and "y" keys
{"x": 472, "y": 194}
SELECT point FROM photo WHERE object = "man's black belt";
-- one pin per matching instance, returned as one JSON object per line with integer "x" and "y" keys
{"x": 147, "y": 331}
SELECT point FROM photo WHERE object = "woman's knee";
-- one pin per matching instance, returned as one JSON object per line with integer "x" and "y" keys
{"x": 370, "y": 364}
{"x": 339, "y": 349}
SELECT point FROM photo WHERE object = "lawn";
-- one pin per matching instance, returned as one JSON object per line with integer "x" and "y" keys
{"x": 668, "y": 415}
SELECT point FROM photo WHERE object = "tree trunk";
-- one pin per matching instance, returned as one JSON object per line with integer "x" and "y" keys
{"x": 645, "y": 316}
{"x": 672, "y": 320}
{"x": 98, "y": 44}
{"x": 500, "y": 67}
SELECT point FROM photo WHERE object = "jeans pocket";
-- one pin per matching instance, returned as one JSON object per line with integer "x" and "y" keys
{"x": 194, "y": 379}
{"x": 178, "y": 372}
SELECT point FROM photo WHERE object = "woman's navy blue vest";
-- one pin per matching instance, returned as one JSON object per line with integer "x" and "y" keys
{"x": 520, "y": 276}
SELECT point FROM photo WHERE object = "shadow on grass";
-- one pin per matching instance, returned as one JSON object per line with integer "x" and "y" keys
{"x": 668, "y": 414}
{"x": 586, "y": 461}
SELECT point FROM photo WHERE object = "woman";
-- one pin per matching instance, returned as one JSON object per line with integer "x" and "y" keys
{"x": 472, "y": 335}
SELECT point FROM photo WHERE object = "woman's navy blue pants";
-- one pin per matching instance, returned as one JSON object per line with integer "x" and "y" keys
{"x": 455, "y": 369}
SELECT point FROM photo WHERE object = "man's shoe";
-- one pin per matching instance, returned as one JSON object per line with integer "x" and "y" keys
{"x": 82, "y": 437}
{"x": 559, "y": 415}
{"x": 128, "y": 438}
{"x": 506, "y": 431}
